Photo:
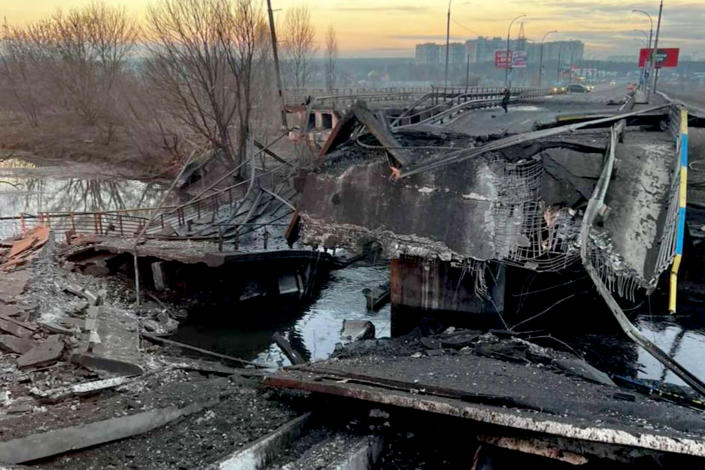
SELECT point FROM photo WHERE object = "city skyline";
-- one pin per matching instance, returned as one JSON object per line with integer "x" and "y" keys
{"x": 392, "y": 29}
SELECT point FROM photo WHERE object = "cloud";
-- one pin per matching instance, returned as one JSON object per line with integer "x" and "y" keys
{"x": 425, "y": 37}
{"x": 393, "y": 9}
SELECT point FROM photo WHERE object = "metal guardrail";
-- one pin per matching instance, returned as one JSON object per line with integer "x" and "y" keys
{"x": 174, "y": 222}
{"x": 458, "y": 104}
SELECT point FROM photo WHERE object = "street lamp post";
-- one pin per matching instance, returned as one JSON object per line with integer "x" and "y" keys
{"x": 541, "y": 56}
{"x": 652, "y": 62}
{"x": 447, "y": 43}
{"x": 508, "y": 65}
{"x": 648, "y": 46}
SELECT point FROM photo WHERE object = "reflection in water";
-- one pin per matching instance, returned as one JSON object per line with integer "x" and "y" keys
{"x": 682, "y": 342}
{"x": 341, "y": 299}
{"x": 20, "y": 192}
{"x": 81, "y": 195}
{"x": 314, "y": 332}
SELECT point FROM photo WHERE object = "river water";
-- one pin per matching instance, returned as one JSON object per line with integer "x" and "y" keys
{"x": 315, "y": 328}
{"x": 29, "y": 190}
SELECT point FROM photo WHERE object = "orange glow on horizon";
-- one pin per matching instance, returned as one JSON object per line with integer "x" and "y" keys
{"x": 391, "y": 28}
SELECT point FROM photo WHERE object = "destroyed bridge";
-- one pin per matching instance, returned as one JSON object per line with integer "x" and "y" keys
{"x": 467, "y": 202}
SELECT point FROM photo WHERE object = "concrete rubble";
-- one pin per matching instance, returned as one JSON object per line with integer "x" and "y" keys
{"x": 91, "y": 377}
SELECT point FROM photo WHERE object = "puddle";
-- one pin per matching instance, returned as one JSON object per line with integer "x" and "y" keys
{"x": 683, "y": 343}
{"x": 315, "y": 331}
{"x": 23, "y": 192}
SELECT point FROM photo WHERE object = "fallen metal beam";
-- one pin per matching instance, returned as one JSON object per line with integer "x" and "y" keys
{"x": 157, "y": 339}
{"x": 382, "y": 133}
{"x": 266, "y": 150}
{"x": 292, "y": 354}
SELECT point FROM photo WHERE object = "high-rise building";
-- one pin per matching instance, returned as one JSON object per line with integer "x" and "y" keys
{"x": 456, "y": 54}
{"x": 482, "y": 49}
{"x": 428, "y": 54}
{"x": 485, "y": 47}
{"x": 566, "y": 50}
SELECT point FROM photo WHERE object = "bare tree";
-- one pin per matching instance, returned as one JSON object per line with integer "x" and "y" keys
{"x": 299, "y": 45}
{"x": 202, "y": 55}
{"x": 79, "y": 54}
{"x": 20, "y": 77}
{"x": 331, "y": 57}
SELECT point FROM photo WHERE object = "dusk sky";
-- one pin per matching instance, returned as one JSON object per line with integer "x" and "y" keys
{"x": 391, "y": 28}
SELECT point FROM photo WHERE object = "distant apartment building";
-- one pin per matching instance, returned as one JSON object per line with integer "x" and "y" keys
{"x": 428, "y": 54}
{"x": 456, "y": 54}
{"x": 482, "y": 49}
{"x": 568, "y": 51}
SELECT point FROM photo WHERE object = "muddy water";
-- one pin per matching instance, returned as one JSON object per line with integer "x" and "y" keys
{"x": 30, "y": 190}
{"x": 315, "y": 330}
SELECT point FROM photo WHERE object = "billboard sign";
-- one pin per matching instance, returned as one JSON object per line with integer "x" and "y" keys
{"x": 500, "y": 59}
{"x": 662, "y": 58}
{"x": 519, "y": 59}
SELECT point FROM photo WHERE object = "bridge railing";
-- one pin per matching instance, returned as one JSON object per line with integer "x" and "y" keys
{"x": 205, "y": 217}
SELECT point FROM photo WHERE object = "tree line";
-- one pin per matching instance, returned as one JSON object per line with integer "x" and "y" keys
{"x": 191, "y": 73}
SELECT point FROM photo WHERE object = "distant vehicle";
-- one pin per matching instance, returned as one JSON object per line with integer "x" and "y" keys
{"x": 631, "y": 87}
{"x": 577, "y": 88}
{"x": 613, "y": 83}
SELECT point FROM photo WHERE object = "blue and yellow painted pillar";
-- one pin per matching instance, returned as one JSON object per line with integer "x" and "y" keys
{"x": 682, "y": 201}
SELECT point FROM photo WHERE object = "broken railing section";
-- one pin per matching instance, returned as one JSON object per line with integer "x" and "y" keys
{"x": 594, "y": 205}
{"x": 681, "y": 117}
{"x": 173, "y": 222}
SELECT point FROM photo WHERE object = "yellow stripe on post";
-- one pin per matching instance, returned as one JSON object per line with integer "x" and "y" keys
{"x": 683, "y": 192}
{"x": 674, "y": 284}
{"x": 684, "y": 121}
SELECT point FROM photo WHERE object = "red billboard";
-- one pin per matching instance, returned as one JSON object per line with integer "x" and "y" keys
{"x": 662, "y": 58}
{"x": 500, "y": 59}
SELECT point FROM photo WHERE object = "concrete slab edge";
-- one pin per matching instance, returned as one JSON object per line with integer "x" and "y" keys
{"x": 645, "y": 440}
{"x": 59, "y": 441}
{"x": 260, "y": 453}
{"x": 364, "y": 455}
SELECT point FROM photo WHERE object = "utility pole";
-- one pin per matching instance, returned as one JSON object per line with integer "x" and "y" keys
{"x": 541, "y": 57}
{"x": 558, "y": 68}
{"x": 447, "y": 43}
{"x": 653, "y": 55}
{"x": 467, "y": 72}
{"x": 647, "y": 66}
{"x": 508, "y": 64}
{"x": 275, "y": 55}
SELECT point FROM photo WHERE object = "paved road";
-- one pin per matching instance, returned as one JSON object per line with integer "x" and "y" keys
{"x": 521, "y": 117}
